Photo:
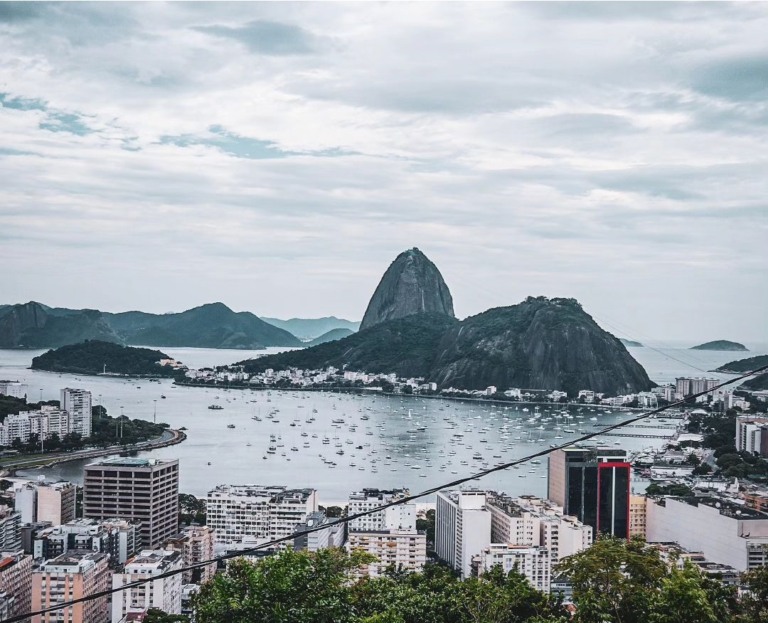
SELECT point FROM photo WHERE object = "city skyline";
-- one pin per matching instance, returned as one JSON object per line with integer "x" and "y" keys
{"x": 277, "y": 157}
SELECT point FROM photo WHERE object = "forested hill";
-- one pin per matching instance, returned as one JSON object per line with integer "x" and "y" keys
{"x": 209, "y": 326}
{"x": 740, "y": 366}
{"x": 539, "y": 343}
{"x": 90, "y": 357}
{"x": 406, "y": 346}
{"x": 720, "y": 345}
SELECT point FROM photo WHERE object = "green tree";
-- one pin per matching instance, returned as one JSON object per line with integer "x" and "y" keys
{"x": 290, "y": 587}
{"x": 754, "y": 603}
{"x": 155, "y": 615}
{"x": 614, "y": 580}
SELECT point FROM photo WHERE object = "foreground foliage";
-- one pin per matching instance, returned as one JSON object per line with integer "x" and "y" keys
{"x": 614, "y": 581}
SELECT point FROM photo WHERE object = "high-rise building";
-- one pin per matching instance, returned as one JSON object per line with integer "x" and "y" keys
{"x": 637, "y": 515}
{"x": 752, "y": 435}
{"x": 686, "y": 386}
{"x": 163, "y": 593}
{"x": 13, "y": 388}
{"x": 10, "y": 530}
{"x": 532, "y": 561}
{"x": 45, "y": 501}
{"x": 77, "y": 402}
{"x": 16, "y": 582}
{"x": 195, "y": 544}
{"x": 138, "y": 490}
{"x": 257, "y": 513}
{"x": 116, "y": 537}
{"x": 69, "y": 577}
{"x": 531, "y": 521}
{"x": 389, "y": 534}
{"x": 462, "y": 528}
{"x": 328, "y": 533}
{"x": 593, "y": 485}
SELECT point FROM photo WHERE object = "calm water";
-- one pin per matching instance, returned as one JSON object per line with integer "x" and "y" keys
{"x": 459, "y": 437}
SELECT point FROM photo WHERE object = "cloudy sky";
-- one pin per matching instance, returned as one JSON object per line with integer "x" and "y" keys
{"x": 277, "y": 157}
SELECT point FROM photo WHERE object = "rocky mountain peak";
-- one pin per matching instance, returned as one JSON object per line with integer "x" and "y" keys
{"x": 411, "y": 285}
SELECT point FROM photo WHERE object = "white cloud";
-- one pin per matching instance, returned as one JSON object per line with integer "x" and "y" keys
{"x": 278, "y": 156}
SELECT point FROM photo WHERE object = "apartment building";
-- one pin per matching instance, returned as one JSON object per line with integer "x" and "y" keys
{"x": 724, "y": 532}
{"x": 117, "y": 537}
{"x": 257, "y": 513}
{"x": 532, "y": 561}
{"x": 69, "y": 577}
{"x": 10, "y": 530}
{"x": 462, "y": 527}
{"x": 328, "y": 533}
{"x": 44, "y": 501}
{"x": 162, "y": 593}
{"x": 138, "y": 490}
{"x": 195, "y": 544}
{"x": 77, "y": 402}
{"x": 16, "y": 582}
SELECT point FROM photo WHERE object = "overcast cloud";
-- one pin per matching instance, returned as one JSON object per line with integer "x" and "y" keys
{"x": 277, "y": 157}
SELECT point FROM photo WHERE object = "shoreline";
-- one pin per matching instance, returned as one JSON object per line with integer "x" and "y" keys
{"x": 177, "y": 436}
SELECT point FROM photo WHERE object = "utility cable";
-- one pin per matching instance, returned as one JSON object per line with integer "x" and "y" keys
{"x": 404, "y": 500}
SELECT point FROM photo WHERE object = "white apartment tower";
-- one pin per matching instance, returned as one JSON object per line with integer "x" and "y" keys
{"x": 77, "y": 402}
{"x": 163, "y": 593}
{"x": 390, "y": 534}
{"x": 462, "y": 528}
{"x": 256, "y": 512}
{"x": 532, "y": 561}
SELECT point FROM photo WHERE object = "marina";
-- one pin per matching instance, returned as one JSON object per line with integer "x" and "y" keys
{"x": 336, "y": 442}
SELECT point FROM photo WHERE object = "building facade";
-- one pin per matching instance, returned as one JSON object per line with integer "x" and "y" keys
{"x": 43, "y": 501}
{"x": 462, "y": 528}
{"x": 138, "y": 490}
{"x": 77, "y": 402}
{"x": 16, "y": 582}
{"x": 257, "y": 513}
{"x": 532, "y": 561}
{"x": 117, "y": 538}
{"x": 68, "y": 577}
{"x": 10, "y": 530}
{"x": 593, "y": 485}
{"x": 163, "y": 593}
{"x": 195, "y": 544}
{"x": 724, "y": 532}
{"x": 328, "y": 533}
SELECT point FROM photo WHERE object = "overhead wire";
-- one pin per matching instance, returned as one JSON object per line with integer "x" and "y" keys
{"x": 404, "y": 500}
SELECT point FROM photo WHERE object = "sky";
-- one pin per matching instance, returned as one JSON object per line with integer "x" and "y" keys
{"x": 277, "y": 157}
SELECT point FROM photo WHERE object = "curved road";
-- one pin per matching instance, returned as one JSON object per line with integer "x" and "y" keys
{"x": 169, "y": 437}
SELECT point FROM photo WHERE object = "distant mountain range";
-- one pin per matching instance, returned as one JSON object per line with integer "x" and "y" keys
{"x": 311, "y": 328}
{"x": 720, "y": 345}
{"x": 330, "y": 336}
{"x": 33, "y": 325}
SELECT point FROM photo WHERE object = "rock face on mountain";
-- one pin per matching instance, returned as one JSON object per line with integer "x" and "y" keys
{"x": 33, "y": 325}
{"x": 209, "y": 326}
{"x": 538, "y": 344}
{"x": 411, "y": 285}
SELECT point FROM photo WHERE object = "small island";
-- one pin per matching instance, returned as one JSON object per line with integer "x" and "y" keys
{"x": 98, "y": 358}
{"x": 631, "y": 343}
{"x": 720, "y": 345}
